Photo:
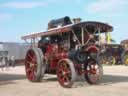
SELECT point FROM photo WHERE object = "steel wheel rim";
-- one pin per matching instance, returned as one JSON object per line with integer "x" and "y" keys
{"x": 31, "y": 65}
{"x": 64, "y": 74}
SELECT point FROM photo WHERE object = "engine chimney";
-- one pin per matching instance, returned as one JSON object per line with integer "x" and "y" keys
{"x": 76, "y": 20}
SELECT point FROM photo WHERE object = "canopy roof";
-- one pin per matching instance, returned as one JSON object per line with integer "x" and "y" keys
{"x": 90, "y": 26}
{"x": 124, "y": 41}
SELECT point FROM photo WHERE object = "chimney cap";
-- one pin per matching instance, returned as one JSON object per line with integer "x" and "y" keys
{"x": 76, "y": 20}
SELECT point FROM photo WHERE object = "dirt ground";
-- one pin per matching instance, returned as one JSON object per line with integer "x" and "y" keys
{"x": 14, "y": 83}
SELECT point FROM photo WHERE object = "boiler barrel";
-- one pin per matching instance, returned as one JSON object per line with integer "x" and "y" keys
{"x": 61, "y": 21}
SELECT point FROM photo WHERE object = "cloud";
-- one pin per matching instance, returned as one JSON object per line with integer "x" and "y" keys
{"x": 22, "y": 4}
{"x": 5, "y": 16}
{"x": 108, "y": 6}
{"x": 31, "y": 4}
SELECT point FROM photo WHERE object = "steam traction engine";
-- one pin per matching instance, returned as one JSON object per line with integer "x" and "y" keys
{"x": 124, "y": 56}
{"x": 66, "y": 49}
{"x": 112, "y": 54}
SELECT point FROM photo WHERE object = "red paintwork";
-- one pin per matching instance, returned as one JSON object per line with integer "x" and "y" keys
{"x": 30, "y": 70}
{"x": 54, "y": 54}
{"x": 92, "y": 48}
{"x": 78, "y": 68}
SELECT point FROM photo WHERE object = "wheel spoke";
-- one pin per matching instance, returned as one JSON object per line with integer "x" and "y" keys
{"x": 67, "y": 79}
{"x": 28, "y": 62}
{"x": 32, "y": 75}
{"x": 28, "y": 70}
{"x": 30, "y": 56}
{"x": 65, "y": 66}
{"x": 60, "y": 74}
{"x": 68, "y": 72}
{"x": 61, "y": 67}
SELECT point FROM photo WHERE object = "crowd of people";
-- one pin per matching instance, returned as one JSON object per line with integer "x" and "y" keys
{"x": 6, "y": 61}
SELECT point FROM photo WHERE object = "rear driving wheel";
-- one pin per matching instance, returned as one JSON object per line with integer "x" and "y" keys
{"x": 125, "y": 58}
{"x": 34, "y": 64}
{"x": 111, "y": 60}
{"x": 66, "y": 73}
{"x": 94, "y": 71}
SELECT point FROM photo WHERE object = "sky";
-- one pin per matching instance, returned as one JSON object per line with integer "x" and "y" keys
{"x": 21, "y": 17}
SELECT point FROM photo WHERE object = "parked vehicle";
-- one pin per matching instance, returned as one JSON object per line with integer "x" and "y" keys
{"x": 112, "y": 54}
{"x": 66, "y": 49}
{"x": 124, "y": 43}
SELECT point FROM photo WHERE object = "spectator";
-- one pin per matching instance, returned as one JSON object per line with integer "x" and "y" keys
{"x": 12, "y": 59}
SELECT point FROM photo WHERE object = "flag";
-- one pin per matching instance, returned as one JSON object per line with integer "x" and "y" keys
{"x": 108, "y": 38}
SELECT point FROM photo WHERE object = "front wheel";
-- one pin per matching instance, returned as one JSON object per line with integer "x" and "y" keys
{"x": 93, "y": 71}
{"x": 66, "y": 73}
